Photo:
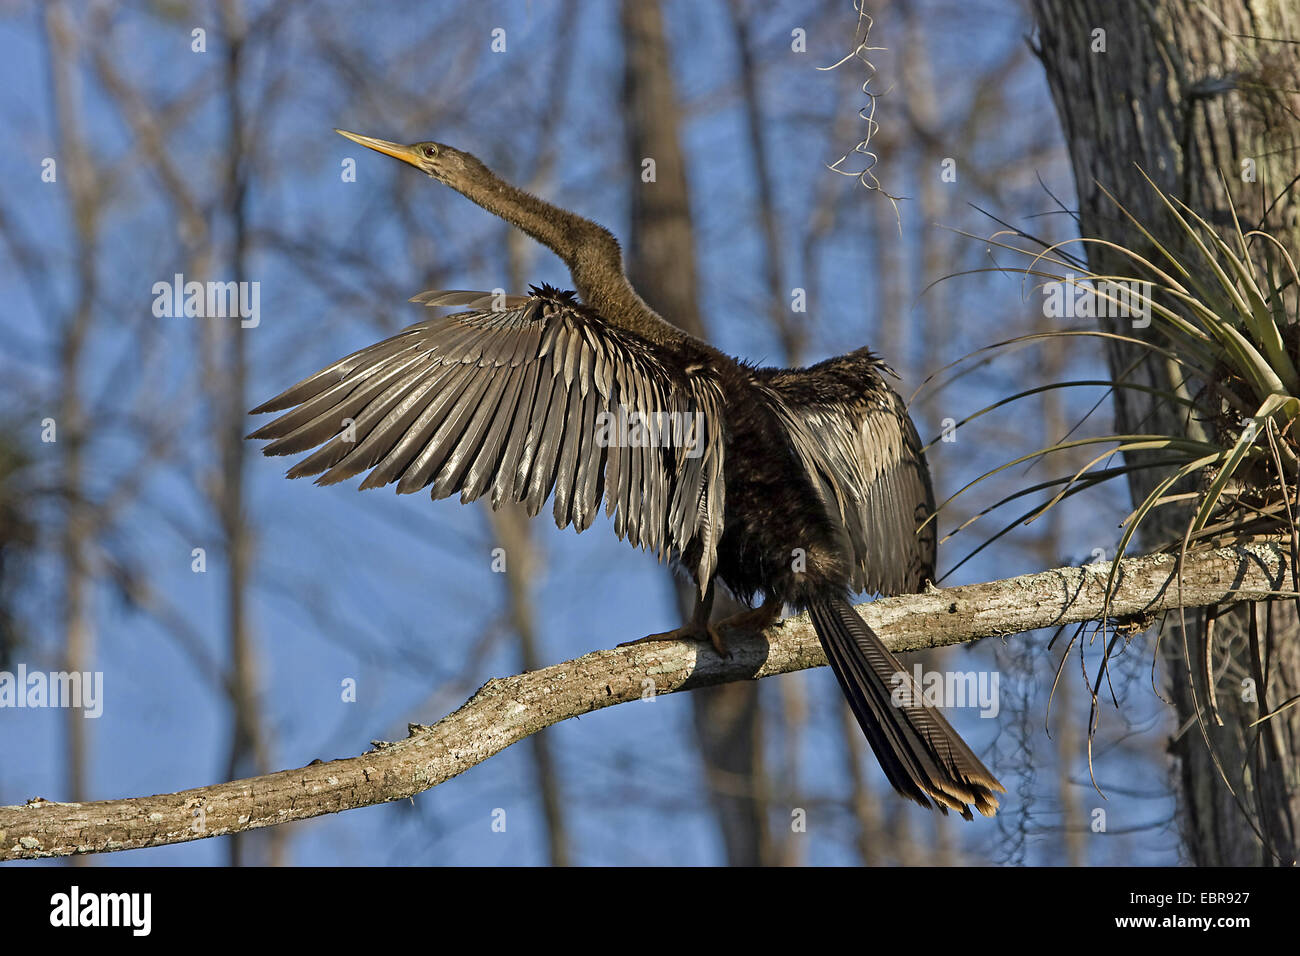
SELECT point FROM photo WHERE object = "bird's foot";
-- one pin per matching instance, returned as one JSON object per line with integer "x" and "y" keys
{"x": 754, "y": 620}
{"x": 688, "y": 632}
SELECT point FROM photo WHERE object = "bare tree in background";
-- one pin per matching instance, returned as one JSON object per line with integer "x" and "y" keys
{"x": 63, "y": 51}
{"x": 227, "y": 343}
{"x": 513, "y": 528}
{"x": 661, "y": 265}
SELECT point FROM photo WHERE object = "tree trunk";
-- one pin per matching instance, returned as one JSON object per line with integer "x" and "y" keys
{"x": 661, "y": 264}
{"x": 249, "y": 745}
{"x": 75, "y": 543}
{"x": 1202, "y": 97}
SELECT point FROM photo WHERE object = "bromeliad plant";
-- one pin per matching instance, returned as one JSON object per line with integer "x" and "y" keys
{"x": 1223, "y": 318}
{"x": 1226, "y": 321}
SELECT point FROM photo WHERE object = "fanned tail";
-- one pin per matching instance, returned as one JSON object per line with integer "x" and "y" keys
{"x": 921, "y": 754}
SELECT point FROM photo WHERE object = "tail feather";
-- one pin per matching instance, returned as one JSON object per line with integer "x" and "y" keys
{"x": 921, "y": 754}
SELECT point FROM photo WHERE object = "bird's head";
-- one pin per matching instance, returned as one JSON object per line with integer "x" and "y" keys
{"x": 443, "y": 163}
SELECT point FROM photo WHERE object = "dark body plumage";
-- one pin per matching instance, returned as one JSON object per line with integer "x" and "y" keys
{"x": 799, "y": 486}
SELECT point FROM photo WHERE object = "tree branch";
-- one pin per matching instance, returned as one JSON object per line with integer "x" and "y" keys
{"x": 505, "y": 711}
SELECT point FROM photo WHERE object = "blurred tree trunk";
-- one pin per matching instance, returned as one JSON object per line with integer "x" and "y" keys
{"x": 249, "y": 748}
{"x": 661, "y": 265}
{"x": 791, "y": 330}
{"x": 70, "y": 418}
{"x": 1191, "y": 92}
{"x": 510, "y": 524}
{"x": 512, "y": 529}
{"x": 1054, "y": 550}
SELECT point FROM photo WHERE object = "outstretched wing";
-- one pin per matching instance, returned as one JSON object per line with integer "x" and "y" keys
{"x": 859, "y": 445}
{"x": 522, "y": 397}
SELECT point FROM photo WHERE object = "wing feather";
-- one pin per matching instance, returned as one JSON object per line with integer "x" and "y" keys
{"x": 868, "y": 464}
{"x": 511, "y": 401}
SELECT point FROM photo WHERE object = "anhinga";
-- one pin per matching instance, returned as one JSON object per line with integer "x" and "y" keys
{"x": 799, "y": 485}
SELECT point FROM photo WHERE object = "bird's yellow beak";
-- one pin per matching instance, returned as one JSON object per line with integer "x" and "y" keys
{"x": 405, "y": 153}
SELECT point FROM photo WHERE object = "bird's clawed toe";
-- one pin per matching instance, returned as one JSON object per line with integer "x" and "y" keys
{"x": 688, "y": 632}
{"x": 755, "y": 620}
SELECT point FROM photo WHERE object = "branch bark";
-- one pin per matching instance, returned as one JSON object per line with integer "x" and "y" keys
{"x": 505, "y": 711}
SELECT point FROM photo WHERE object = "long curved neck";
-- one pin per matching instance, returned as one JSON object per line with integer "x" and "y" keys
{"x": 589, "y": 250}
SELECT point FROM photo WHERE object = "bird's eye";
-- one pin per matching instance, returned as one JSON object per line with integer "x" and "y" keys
{"x": 431, "y": 151}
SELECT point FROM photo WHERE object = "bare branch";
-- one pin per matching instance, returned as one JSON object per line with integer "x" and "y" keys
{"x": 505, "y": 711}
